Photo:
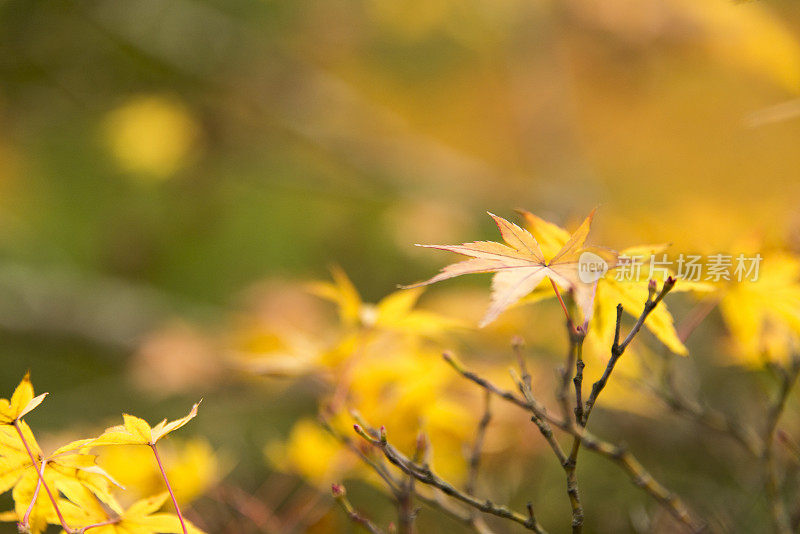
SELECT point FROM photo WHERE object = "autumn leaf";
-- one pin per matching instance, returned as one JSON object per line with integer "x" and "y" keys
{"x": 21, "y": 403}
{"x": 140, "y": 518}
{"x": 520, "y": 265}
{"x": 763, "y": 316}
{"x": 343, "y": 293}
{"x": 70, "y": 470}
{"x": 192, "y": 468}
{"x": 136, "y": 431}
{"x": 395, "y": 312}
{"x": 610, "y": 291}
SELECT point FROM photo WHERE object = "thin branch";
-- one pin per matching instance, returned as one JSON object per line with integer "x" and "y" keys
{"x": 789, "y": 444}
{"x": 378, "y": 467}
{"x": 394, "y": 485}
{"x": 477, "y": 445}
{"x": 706, "y": 416}
{"x": 618, "y": 454}
{"x": 617, "y": 349}
{"x": 517, "y": 345}
{"x": 578, "y": 380}
{"x": 541, "y": 422}
{"x": 780, "y": 517}
{"x": 405, "y": 503}
{"x": 424, "y": 474}
{"x": 572, "y": 418}
{"x": 340, "y": 495}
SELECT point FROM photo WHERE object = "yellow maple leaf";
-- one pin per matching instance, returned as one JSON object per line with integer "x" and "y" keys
{"x": 21, "y": 403}
{"x": 141, "y": 517}
{"x": 69, "y": 471}
{"x": 191, "y": 466}
{"x": 395, "y": 312}
{"x": 520, "y": 265}
{"x": 312, "y": 452}
{"x": 763, "y": 316}
{"x": 136, "y": 431}
{"x": 610, "y": 291}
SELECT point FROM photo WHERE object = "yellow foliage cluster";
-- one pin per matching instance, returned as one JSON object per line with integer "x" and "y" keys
{"x": 68, "y": 487}
{"x": 383, "y": 360}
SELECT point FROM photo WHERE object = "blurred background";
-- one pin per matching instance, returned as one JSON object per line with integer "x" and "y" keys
{"x": 172, "y": 174}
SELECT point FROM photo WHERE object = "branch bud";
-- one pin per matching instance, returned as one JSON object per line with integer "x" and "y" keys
{"x": 338, "y": 491}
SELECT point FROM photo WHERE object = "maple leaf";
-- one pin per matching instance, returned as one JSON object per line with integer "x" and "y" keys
{"x": 610, "y": 291}
{"x": 69, "y": 469}
{"x": 140, "y": 518}
{"x": 136, "y": 431}
{"x": 763, "y": 316}
{"x": 395, "y": 312}
{"x": 192, "y": 468}
{"x": 21, "y": 403}
{"x": 520, "y": 265}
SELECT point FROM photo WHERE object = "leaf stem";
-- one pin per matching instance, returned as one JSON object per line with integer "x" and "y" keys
{"x": 101, "y": 524}
{"x": 41, "y": 478}
{"x": 27, "y": 517}
{"x": 169, "y": 488}
{"x": 563, "y": 306}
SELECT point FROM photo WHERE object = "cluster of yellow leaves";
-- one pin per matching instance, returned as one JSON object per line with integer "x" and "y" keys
{"x": 612, "y": 291}
{"x": 142, "y": 517}
{"x": 382, "y": 360}
{"x": 67, "y": 486}
{"x": 192, "y": 468}
{"x": 763, "y": 316}
{"x": 312, "y": 452}
{"x": 546, "y": 250}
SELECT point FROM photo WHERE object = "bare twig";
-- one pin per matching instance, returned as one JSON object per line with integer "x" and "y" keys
{"x": 706, "y": 416}
{"x": 618, "y": 454}
{"x": 617, "y": 349}
{"x": 250, "y": 507}
{"x": 572, "y": 418}
{"x": 518, "y": 344}
{"x": 340, "y": 495}
{"x": 405, "y": 503}
{"x": 788, "y": 378}
{"x": 394, "y": 484}
{"x": 424, "y": 474}
{"x": 789, "y": 444}
{"x": 477, "y": 445}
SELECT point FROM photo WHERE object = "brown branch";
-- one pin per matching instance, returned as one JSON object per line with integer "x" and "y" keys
{"x": 477, "y": 445}
{"x": 704, "y": 415}
{"x": 424, "y": 474}
{"x": 340, "y": 495}
{"x": 788, "y": 378}
{"x": 618, "y": 454}
{"x": 394, "y": 485}
{"x": 617, "y": 349}
{"x": 405, "y": 503}
{"x": 572, "y": 418}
